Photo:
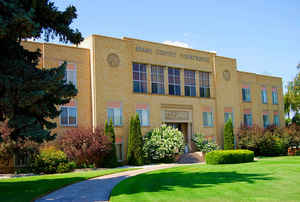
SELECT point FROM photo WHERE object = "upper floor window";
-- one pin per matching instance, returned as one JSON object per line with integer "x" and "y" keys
{"x": 264, "y": 97}
{"x": 266, "y": 122}
{"x": 68, "y": 115}
{"x": 274, "y": 95}
{"x": 246, "y": 93}
{"x": 204, "y": 84}
{"x": 247, "y": 118}
{"x": 174, "y": 81}
{"x": 114, "y": 113}
{"x": 71, "y": 74}
{"x": 276, "y": 119}
{"x": 189, "y": 83}
{"x": 157, "y": 79}
{"x": 143, "y": 112}
{"x": 139, "y": 78}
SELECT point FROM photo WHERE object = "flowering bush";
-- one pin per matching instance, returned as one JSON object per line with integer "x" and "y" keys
{"x": 163, "y": 144}
{"x": 85, "y": 146}
{"x": 203, "y": 144}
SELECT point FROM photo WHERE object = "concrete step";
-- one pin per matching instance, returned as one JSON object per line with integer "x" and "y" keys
{"x": 195, "y": 157}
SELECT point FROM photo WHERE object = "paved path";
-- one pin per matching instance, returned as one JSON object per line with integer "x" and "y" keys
{"x": 96, "y": 189}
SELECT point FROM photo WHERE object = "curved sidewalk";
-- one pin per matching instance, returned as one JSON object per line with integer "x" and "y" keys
{"x": 97, "y": 189}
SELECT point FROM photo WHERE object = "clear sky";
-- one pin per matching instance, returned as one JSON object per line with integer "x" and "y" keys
{"x": 263, "y": 35}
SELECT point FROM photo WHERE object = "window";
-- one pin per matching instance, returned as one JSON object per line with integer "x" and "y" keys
{"x": 266, "y": 120}
{"x": 264, "y": 95}
{"x": 139, "y": 78}
{"x": 276, "y": 119}
{"x": 143, "y": 112}
{"x": 71, "y": 74}
{"x": 174, "y": 81}
{"x": 119, "y": 151}
{"x": 247, "y": 118}
{"x": 204, "y": 84}
{"x": 68, "y": 116}
{"x": 114, "y": 113}
{"x": 157, "y": 80}
{"x": 227, "y": 116}
{"x": 189, "y": 83}
{"x": 208, "y": 119}
{"x": 246, "y": 94}
{"x": 274, "y": 96}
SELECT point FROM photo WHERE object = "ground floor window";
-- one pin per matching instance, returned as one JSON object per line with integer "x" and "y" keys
{"x": 68, "y": 116}
{"x": 143, "y": 111}
{"x": 265, "y": 120}
{"x": 119, "y": 150}
{"x": 227, "y": 116}
{"x": 208, "y": 119}
{"x": 276, "y": 120}
{"x": 114, "y": 113}
{"x": 248, "y": 120}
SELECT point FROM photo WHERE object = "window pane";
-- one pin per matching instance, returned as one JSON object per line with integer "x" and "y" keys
{"x": 117, "y": 116}
{"x": 110, "y": 115}
{"x": 64, "y": 116}
{"x": 72, "y": 116}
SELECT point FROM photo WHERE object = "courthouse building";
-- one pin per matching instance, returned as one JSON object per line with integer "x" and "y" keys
{"x": 192, "y": 90}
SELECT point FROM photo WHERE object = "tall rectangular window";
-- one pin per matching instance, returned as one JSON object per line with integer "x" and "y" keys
{"x": 114, "y": 113}
{"x": 264, "y": 97}
{"x": 119, "y": 148}
{"x": 174, "y": 81}
{"x": 276, "y": 119}
{"x": 139, "y": 78}
{"x": 68, "y": 116}
{"x": 143, "y": 111}
{"x": 266, "y": 122}
{"x": 157, "y": 80}
{"x": 71, "y": 74}
{"x": 189, "y": 83}
{"x": 247, "y": 118}
{"x": 246, "y": 93}
{"x": 274, "y": 95}
{"x": 208, "y": 120}
{"x": 204, "y": 84}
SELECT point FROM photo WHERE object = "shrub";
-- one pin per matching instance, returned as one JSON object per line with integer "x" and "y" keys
{"x": 85, "y": 146}
{"x": 203, "y": 144}
{"x": 163, "y": 144}
{"x": 229, "y": 156}
{"x": 228, "y": 135}
{"x": 52, "y": 160}
{"x": 297, "y": 153}
{"x": 110, "y": 160}
{"x": 135, "y": 142}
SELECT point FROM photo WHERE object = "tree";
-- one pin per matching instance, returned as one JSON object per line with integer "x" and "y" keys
{"x": 29, "y": 96}
{"x": 135, "y": 142}
{"x": 228, "y": 135}
{"x": 288, "y": 100}
{"x": 111, "y": 160}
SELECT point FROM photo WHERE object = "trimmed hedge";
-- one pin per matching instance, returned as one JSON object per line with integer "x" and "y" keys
{"x": 297, "y": 153}
{"x": 229, "y": 156}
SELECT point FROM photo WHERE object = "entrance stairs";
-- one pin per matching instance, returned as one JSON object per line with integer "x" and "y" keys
{"x": 195, "y": 157}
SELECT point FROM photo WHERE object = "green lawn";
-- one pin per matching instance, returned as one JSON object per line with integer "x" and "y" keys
{"x": 29, "y": 188}
{"x": 269, "y": 179}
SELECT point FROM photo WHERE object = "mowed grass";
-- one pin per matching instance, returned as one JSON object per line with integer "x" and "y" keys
{"x": 268, "y": 179}
{"x": 30, "y": 188}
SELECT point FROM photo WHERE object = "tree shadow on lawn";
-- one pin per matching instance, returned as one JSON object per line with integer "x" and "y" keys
{"x": 167, "y": 181}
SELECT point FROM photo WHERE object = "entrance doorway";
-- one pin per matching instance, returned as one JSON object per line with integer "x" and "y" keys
{"x": 182, "y": 127}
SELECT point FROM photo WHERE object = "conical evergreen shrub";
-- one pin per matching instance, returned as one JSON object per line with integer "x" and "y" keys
{"x": 135, "y": 143}
{"x": 111, "y": 161}
{"x": 228, "y": 135}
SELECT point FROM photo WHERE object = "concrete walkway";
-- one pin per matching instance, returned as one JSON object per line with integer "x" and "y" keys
{"x": 97, "y": 189}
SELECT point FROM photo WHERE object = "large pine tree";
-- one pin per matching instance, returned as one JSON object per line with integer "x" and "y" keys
{"x": 29, "y": 96}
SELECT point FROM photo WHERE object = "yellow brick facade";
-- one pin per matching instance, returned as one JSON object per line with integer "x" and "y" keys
{"x": 103, "y": 80}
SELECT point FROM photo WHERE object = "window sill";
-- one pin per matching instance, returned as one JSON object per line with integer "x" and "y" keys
{"x": 246, "y": 101}
{"x": 208, "y": 126}
{"x": 69, "y": 126}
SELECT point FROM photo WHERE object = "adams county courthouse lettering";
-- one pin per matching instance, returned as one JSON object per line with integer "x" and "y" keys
{"x": 192, "y": 90}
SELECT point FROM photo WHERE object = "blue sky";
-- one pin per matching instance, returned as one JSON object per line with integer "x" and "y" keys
{"x": 263, "y": 35}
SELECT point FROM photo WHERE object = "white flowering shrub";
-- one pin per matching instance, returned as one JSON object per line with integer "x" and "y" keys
{"x": 203, "y": 144}
{"x": 163, "y": 144}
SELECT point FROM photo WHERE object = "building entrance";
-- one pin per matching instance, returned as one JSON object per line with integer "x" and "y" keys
{"x": 182, "y": 127}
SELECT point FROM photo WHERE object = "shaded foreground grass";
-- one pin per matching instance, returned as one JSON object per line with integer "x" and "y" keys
{"x": 29, "y": 188}
{"x": 269, "y": 179}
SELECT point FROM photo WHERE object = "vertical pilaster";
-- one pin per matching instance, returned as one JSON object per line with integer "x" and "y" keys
{"x": 181, "y": 81}
{"x": 149, "y": 89}
{"x": 166, "y": 81}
